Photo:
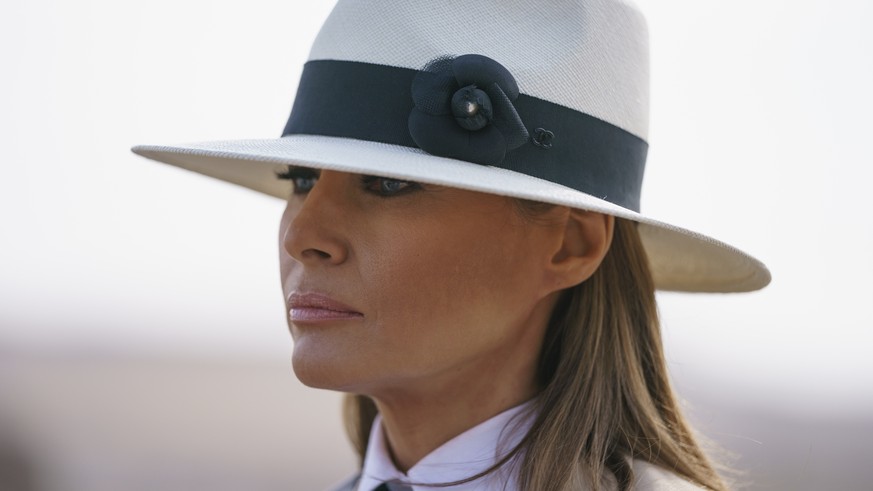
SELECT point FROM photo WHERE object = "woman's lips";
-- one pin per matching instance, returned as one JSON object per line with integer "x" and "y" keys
{"x": 315, "y": 307}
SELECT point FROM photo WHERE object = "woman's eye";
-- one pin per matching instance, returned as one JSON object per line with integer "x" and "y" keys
{"x": 384, "y": 186}
{"x": 303, "y": 185}
{"x": 302, "y": 179}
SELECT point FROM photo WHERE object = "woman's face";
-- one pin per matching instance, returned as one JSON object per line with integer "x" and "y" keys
{"x": 390, "y": 284}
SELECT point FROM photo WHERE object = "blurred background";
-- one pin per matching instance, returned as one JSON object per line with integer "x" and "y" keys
{"x": 143, "y": 343}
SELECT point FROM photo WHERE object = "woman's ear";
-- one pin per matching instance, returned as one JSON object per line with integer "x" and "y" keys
{"x": 586, "y": 240}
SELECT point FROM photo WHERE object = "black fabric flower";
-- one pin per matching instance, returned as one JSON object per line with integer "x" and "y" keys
{"x": 463, "y": 110}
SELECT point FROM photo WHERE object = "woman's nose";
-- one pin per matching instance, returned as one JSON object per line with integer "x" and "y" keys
{"x": 312, "y": 229}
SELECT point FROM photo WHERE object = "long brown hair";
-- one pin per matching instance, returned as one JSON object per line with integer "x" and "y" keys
{"x": 605, "y": 396}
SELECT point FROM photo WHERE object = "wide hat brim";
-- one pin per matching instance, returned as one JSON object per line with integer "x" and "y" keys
{"x": 680, "y": 259}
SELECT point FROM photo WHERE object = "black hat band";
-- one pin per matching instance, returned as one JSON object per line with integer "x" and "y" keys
{"x": 373, "y": 102}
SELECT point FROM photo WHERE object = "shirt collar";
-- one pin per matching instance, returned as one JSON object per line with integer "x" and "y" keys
{"x": 463, "y": 456}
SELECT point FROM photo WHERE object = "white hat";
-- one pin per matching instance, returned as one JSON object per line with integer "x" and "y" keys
{"x": 544, "y": 101}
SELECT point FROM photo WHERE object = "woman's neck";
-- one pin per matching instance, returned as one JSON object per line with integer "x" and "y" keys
{"x": 419, "y": 419}
{"x": 420, "y": 415}
{"x": 415, "y": 428}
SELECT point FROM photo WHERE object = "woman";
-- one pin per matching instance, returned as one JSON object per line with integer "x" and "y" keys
{"x": 462, "y": 250}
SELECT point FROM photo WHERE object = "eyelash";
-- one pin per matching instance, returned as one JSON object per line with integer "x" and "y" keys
{"x": 295, "y": 175}
{"x": 381, "y": 190}
{"x": 367, "y": 182}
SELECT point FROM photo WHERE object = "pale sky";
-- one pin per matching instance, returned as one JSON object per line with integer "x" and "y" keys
{"x": 760, "y": 137}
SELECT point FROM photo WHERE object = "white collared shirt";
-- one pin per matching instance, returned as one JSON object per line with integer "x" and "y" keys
{"x": 479, "y": 448}
{"x": 465, "y": 455}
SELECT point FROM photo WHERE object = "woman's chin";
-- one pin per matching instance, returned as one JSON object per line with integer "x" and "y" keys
{"x": 324, "y": 369}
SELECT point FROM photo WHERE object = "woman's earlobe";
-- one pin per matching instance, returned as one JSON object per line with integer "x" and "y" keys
{"x": 586, "y": 240}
